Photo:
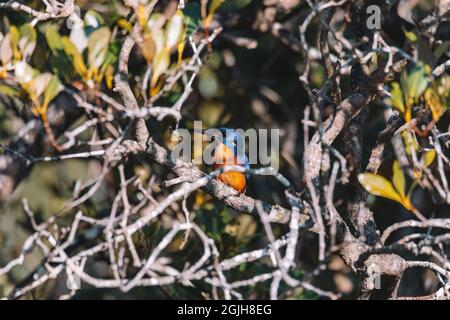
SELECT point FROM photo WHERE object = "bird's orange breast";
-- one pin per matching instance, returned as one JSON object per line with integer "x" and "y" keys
{"x": 236, "y": 180}
{"x": 224, "y": 156}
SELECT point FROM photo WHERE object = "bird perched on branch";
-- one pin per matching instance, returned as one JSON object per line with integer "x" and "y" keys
{"x": 231, "y": 151}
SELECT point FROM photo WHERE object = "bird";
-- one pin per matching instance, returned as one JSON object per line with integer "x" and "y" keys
{"x": 231, "y": 151}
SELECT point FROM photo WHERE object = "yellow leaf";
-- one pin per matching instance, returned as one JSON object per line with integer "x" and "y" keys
{"x": 409, "y": 141}
{"x": 180, "y": 48}
{"x": 407, "y": 203}
{"x": 109, "y": 74}
{"x": 408, "y": 113}
{"x": 215, "y": 5}
{"x": 160, "y": 65}
{"x": 124, "y": 24}
{"x": 98, "y": 46}
{"x": 3, "y": 73}
{"x": 399, "y": 179}
{"x": 51, "y": 91}
{"x": 379, "y": 186}
{"x": 77, "y": 59}
{"x": 429, "y": 157}
{"x": 15, "y": 38}
{"x": 411, "y": 36}
{"x": 142, "y": 15}
{"x": 434, "y": 103}
{"x": 148, "y": 48}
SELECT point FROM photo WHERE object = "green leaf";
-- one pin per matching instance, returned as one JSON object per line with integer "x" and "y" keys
{"x": 409, "y": 141}
{"x": 53, "y": 38}
{"x": 27, "y": 41}
{"x": 111, "y": 55}
{"x": 14, "y": 38}
{"x": 399, "y": 179}
{"x": 62, "y": 66}
{"x": 98, "y": 46}
{"x": 397, "y": 97}
{"x": 9, "y": 91}
{"x": 379, "y": 186}
{"x": 414, "y": 83}
{"x": 77, "y": 59}
{"x": 51, "y": 91}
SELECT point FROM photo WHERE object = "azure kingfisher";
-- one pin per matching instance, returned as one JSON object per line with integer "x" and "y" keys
{"x": 231, "y": 151}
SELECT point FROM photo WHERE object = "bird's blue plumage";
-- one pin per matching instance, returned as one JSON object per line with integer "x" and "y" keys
{"x": 236, "y": 142}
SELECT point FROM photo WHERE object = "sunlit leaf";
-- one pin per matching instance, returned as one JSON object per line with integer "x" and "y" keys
{"x": 397, "y": 97}
{"x": 148, "y": 48}
{"x": 51, "y": 91}
{"x": 409, "y": 141}
{"x": 79, "y": 39}
{"x": 433, "y": 101}
{"x": 158, "y": 35}
{"x": 174, "y": 29}
{"x": 109, "y": 74}
{"x": 27, "y": 41}
{"x": 180, "y": 48}
{"x": 379, "y": 186}
{"x": 23, "y": 72}
{"x": 155, "y": 21}
{"x": 142, "y": 15}
{"x": 414, "y": 83}
{"x": 6, "y": 52}
{"x": 213, "y": 7}
{"x": 40, "y": 83}
{"x": 160, "y": 65}
{"x": 411, "y": 36}
{"x": 9, "y": 91}
{"x": 429, "y": 157}
{"x": 93, "y": 20}
{"x": 54, "y": 40}
{"x": 77, "y": 59}
{"x": 98, "y": 46}
{"x": 373, "y": 63}
{"x": 14, "y": 38}
{"x": 124, "y": 24}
